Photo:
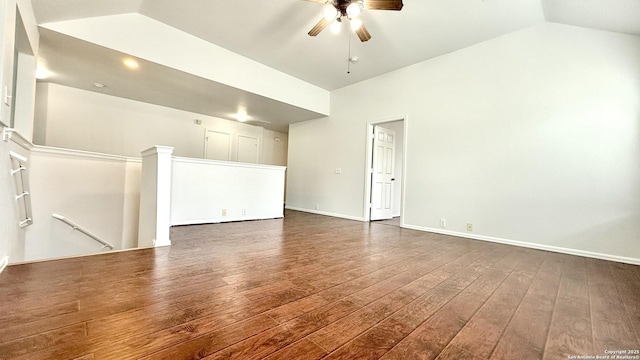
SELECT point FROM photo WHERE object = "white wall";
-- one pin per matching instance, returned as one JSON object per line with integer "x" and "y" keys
{"x": 8, "y": 233}
{"x": 202, "y": 189}
{"x": 25, "y": 95}
{"x": 98, "y": 192}
{"x": 27, "y": 40}
{"x": 235, "y": 129}
{"x": 11, "y": 236}
{"x": 532, "y": 137}
{"x": 7, "y": 30}
{"x": 274, "y": 148}
{"x": 40, "y": 114}
{"x": 316, "y": 148}
{"x": 113, "y": 125}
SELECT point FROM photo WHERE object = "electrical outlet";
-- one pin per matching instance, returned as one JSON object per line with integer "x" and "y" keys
{"x": 224, "y": 212}
{"x": 443, "y": 222}
{"x": 244, "y": 211}
{"x": 317, "y": 206}
{"x": 469, "y": 227}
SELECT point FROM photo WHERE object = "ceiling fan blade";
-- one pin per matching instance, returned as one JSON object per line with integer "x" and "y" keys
{"x": 363, "y": 34}
{"x": 319, "y": 27}
{"x": 383, "y": 4}
{"x": 259, "y": 121}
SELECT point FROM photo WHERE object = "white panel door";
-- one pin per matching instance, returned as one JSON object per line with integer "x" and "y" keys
{"x": 247, "y": 149}
{"x": 218, "y": 145}
{"x": 384, "y": 147}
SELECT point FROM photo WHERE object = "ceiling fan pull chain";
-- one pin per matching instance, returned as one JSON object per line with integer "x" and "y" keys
{"x": 349, "y": 57}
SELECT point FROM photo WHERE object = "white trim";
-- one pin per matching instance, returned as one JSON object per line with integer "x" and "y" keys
{"x": 78, "y": 256}
{"x": 164, "y": 242}
{"x": 368, "y": 160}
{"x": 158, "y": 149}
{"x": 38, "y": 149}
{"x": 552, "y": 248}
{"x": 221, "y": 221}
{"x": 326, "y": 213}
{"x": 15, "y": 155}
{"x": 4, "y": 263}
{"x": 403, "y": 186}
{"x": 366, "y": 213}
{"x": 227, "y": 163}
{"x": 21, "y": 141}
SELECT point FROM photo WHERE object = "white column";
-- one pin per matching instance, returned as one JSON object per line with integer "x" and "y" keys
{"x": 155, "y": 197}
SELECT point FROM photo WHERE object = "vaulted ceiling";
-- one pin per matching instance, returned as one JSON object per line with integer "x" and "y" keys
{"x": 274, "y": 32}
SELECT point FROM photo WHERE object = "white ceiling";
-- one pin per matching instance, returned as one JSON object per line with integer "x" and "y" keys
{"x": 621, "y": 16}
{"x": 80, "y": 64}
{"x": 274, "y": 33}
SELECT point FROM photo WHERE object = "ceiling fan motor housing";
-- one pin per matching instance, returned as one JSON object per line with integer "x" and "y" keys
{"x": 342, "y": 5}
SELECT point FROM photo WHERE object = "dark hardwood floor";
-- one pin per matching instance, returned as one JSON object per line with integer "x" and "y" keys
{"x": 311, "y": 287}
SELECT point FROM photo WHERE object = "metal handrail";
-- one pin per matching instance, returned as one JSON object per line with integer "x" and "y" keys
{"x": 25, "y": 193}
{"x": 22, "y": 186}
{"x": 21, "y": 168}
{"x": 83, "y": 230}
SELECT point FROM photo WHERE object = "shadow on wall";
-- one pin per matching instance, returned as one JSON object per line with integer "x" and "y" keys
{"x": 597, "y": 237}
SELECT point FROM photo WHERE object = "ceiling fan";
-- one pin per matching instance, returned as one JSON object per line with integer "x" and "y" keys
{"x": 336, "y": 10}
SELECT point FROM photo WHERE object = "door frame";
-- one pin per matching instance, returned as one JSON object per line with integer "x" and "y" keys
{"x": 258, "y": 148}
{"x": 206, "y": 143}
{"x": 366, "y": 207}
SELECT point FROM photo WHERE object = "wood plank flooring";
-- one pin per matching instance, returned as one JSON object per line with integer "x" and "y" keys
{"x": 315, "y": 287}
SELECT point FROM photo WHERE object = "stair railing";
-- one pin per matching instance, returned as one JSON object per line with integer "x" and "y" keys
{"x": 83, "y": 230}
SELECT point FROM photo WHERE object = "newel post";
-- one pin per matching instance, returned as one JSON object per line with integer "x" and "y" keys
{"x": 155, "y": 197}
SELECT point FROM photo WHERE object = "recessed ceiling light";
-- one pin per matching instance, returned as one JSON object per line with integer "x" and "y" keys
{"x": 99, "y": 85}
{"x": 42, "y": 72}
{"x": 242, "y": 117}
{"x": 130, "y": 63}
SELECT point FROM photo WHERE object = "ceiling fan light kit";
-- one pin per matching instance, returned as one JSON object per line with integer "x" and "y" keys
{"x": 330, "y": 12}
{"x": 353, "y": 9}
{"x": 356, "y": 24}
{"x": 335, "y": 10}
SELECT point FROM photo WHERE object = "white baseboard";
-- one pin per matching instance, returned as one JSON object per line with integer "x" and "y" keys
{"x": 32, "y": 261}
{"x": 325, "y": 213}
{"x": 557, "y": 249}
{"x": 224, "y": 220}
{"x": 3, "y": 263}
{"x": 161, "y": 242}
